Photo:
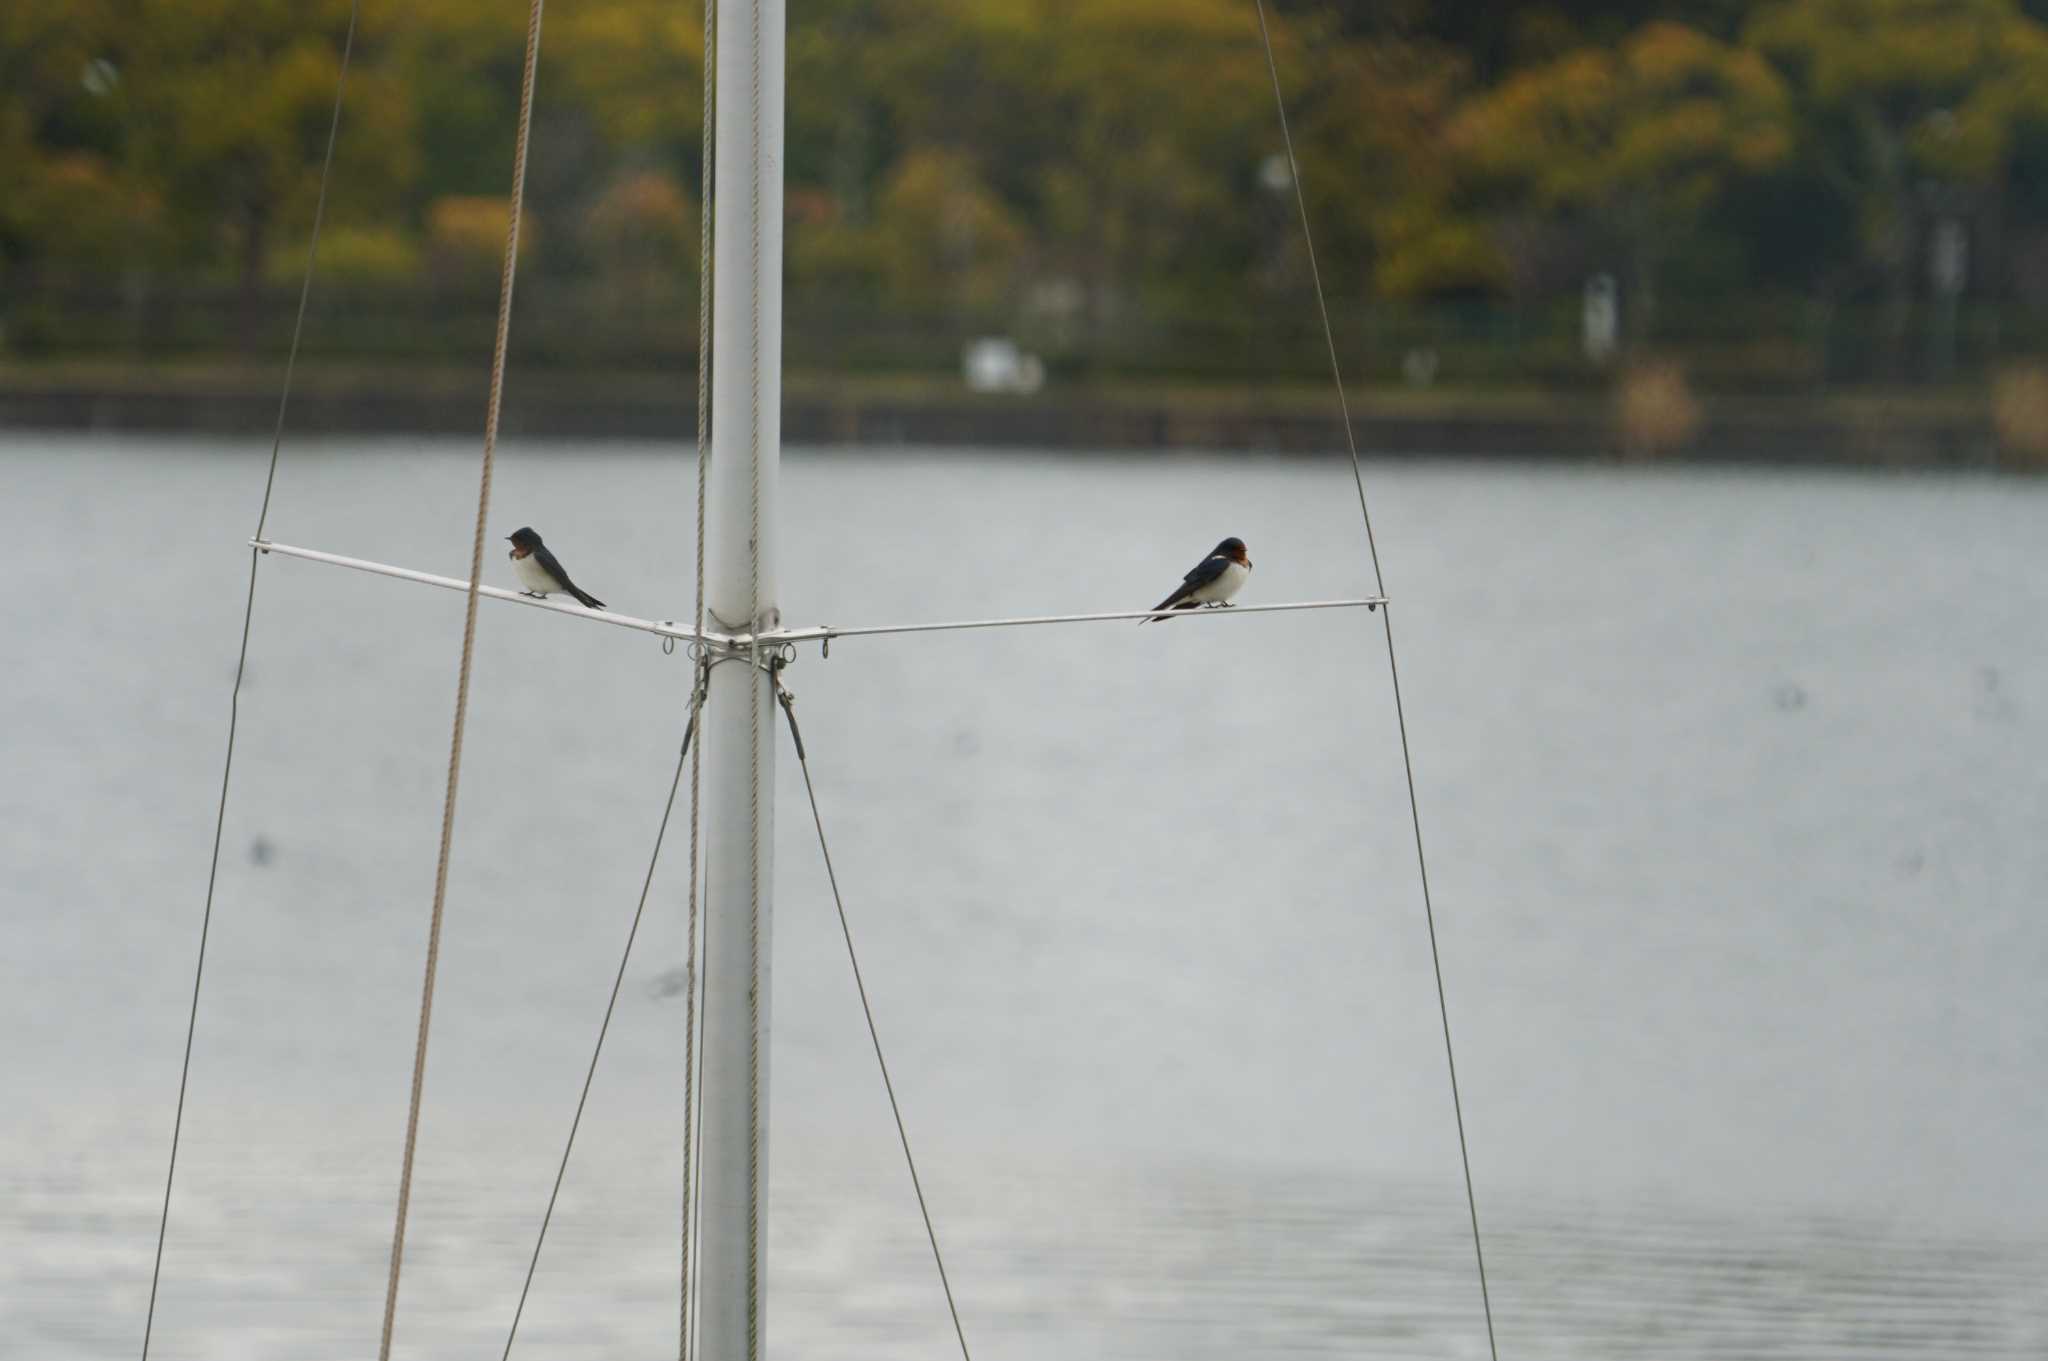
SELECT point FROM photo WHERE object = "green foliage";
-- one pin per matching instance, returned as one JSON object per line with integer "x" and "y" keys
{"x": 227, "y": 104}
{"x": 644, "y": 221}
{"x": 1071, "y": 168}
{"x": 943, "y": 237}
{"x": 466, "y": 236}
{"x": 354, "y": 255}
{"x": 79, "y": 212}
{"x": 53, "y": 158}
{"x": 1910, "y": 109}
{"x": 636, "y": 67}
{"x": 1635, "y": 142}
{"x": 1897, "y": 90}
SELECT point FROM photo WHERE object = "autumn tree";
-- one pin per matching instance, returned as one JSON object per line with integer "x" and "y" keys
{"x": 64, "y": 199}
{"x": 226, "y": 114}
{"x": 1371, "y": 120}
{"x": 1632, "y": 143}
{"x": 1167, "y": 113}
{"x": 1897, "y": 95}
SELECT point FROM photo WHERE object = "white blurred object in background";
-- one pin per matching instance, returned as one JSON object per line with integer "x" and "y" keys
{"x": 996, "y": 364}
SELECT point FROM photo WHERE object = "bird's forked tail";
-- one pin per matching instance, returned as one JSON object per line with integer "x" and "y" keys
{"x": 1176, "y": 601}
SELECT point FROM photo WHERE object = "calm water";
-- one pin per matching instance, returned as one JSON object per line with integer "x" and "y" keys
{"x": 1735, "y": 786}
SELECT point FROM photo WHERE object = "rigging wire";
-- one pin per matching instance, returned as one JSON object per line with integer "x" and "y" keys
{"x": 348, "y": 45}
{"x": 611, "y": 1004}
{"x": 690, "y": 1112}
{"x": 803, "y": 761}
{"x": 1393, "y": 667}
{"x": 476, "y": 563}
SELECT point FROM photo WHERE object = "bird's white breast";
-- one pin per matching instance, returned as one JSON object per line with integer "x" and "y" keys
{"x": 1227, "y": 584}
{"x": 532, "y": 576}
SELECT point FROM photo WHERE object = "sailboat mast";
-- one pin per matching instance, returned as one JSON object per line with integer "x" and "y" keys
{"x": 739, "y": 715}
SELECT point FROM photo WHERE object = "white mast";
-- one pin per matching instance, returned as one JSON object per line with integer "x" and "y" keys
{"x": 739, "y": 716}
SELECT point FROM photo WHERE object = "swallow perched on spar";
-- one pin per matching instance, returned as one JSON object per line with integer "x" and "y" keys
{"x": 540, "y": 572}
{"x": 1214, "y": 580}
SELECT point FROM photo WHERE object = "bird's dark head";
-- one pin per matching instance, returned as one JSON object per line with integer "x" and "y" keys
{"x": 1234, "y": 550}
{"x": 524, "y": 538}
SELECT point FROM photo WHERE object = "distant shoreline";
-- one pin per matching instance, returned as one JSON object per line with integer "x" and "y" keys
{"x": 1945, "y": 430}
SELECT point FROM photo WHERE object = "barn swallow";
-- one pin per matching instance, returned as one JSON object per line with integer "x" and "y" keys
{"x": 540, "y": 572}
{"x": 1214, "y": 580}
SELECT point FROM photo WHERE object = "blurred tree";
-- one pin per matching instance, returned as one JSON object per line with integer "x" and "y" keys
{"x": 466, "y": 237}
{"x": 1164, "y": 103}
{"x": 643, "y": 233}
{"x": 82, "y": 216}
{"x": 1632, "y": 143}
{"x": 1081, "y": 163}
{"x": 1116, "y": 140}
{"x": 834, "y": 113}
{"x": 1500, "y": 38}
{"x": 59, "y": 138}
{"x": 462, "y": 62}
{"x": 944, "y": 238}
{"x": 353, "y": 255}
{"x": 227, "y": 111}
{"x": 840, "y": 133}
{"x": 635, "y": 70}
{"x": 1899, "y": 95}
{"x": 636, "y": 67}
{"x": 1370, "y": 120}
{"x": 465, "y": 60}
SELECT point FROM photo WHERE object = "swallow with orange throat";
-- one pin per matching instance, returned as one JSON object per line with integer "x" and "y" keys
{"x": 1213, "y": 581}
{"x": 540, "y": 571}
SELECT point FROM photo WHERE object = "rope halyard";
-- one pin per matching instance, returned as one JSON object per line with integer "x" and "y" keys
{"x": 284, "y": 397}
{"x": 1393, "y": 669}
{"x": 476, "y": 563}
{"x": 611, "y": 1005}
{"x": 710, "y": 119}
{"x": 754, "y": 1014}
{"x": 803, "y": 762}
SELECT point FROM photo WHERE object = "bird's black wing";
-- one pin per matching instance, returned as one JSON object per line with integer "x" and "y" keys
{"x": 552, "y": 565}
{"x": 1203, "y": 572}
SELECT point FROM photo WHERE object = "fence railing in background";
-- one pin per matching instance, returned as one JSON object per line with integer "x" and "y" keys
{"x": 1735, "y": 344}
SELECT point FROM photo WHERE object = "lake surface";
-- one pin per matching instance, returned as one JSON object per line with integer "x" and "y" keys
{"x": 1735, "y": 788}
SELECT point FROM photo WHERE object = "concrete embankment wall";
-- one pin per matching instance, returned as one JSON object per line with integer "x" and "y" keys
{"x": 1866, "y": 431}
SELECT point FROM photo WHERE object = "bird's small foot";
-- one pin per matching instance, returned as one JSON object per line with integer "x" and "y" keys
{"x": 534, "y": 595}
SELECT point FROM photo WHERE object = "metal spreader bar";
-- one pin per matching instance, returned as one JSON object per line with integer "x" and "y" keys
{"x": 822, "y": 634}
{"x": 661, "y": 627}
{"x": 825, "y": 634}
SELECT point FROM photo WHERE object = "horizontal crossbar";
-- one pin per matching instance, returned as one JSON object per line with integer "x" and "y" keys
{"x": 823, "y": 634}
{"x": 663, "y": 627}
